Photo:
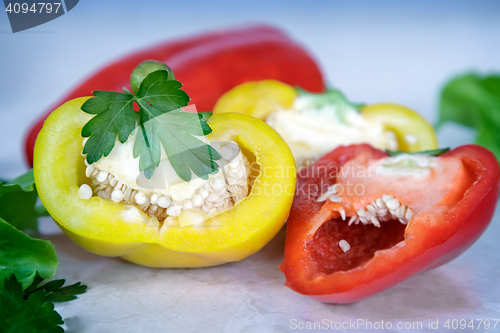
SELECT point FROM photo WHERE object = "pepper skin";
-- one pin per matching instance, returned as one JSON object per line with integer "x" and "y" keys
{"x": 413, "y": 132}
{"x": 208, "y": 65}
{"x": 117, "y": 229}
{"x": 404, "y": 123}
{"x": 432, "y": 238}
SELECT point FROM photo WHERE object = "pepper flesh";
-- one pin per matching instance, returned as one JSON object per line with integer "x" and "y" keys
{"x": 259, "y": 99}
{"x": 413, "y": 132}
{"x": 115, "y": 229}
{"x": 208, "y": 65}
{"x": 427, "y": 242}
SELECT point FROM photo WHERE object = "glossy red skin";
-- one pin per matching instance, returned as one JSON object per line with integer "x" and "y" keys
{"x": 427, "y": 248}
{"x": 208, "y": 66}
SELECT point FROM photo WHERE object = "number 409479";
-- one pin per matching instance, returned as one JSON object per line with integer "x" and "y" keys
{"x": 37, "y": 8}
{"x": 480, "y": 324}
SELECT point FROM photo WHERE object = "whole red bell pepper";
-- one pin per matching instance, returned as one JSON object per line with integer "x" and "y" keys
{"x": 448, "y": 204}
{"x": 208, "y": 65}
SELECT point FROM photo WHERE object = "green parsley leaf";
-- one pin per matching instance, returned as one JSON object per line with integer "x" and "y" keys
{"x": 162, "y": 93}
{"x": 40, "y": 211}
{"x": 175, "y": 131}
{"x": 204, "y": 116}
{"x": 18, "y": 207}
{"x": 331, "y": 97}
{"x": 33, "y": 314}
{"x": 24, "y": 256}
{"x": 115, "y": 117}
{"x": 17, "y": 202}
{"x": 473, "y": 100}
{"x": 36, "y": 281}
{"x": 434, "y": 152}
{"x": 158, "y": 96}
{"x": 55, "y": 292}
{"x": 25, "y": 262}
{"x": 25, "y": 182}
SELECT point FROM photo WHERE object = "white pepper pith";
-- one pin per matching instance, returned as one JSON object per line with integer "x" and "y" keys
{"x": 218, "y": 193}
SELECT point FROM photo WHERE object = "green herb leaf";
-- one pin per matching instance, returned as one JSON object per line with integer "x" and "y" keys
{"x": 36, "y": 281}
{"x": 55, "y": 292}
{"x": 33, "y": 314}
{"x": 330, "y": 98}
{"x": 204, "y": 117}
{"x": 17, "y": 202}
{"x": 40, "y": 211}
{"x": 18, "y": 207}
{"x": 25, "y": 182}
{"x": 434, "y": 152}
{"x": 115, "y": 117}
{"x": 24, "y": 256}
{"x": 473, "y": 100}
{"x": 175, "y": 131}
{"x": 25, "y": 262}
{"x": 162, "y": 93}
{"x": 157, "y": 95}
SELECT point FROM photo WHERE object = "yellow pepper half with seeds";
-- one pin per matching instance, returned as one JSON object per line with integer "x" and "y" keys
{"x": 314, "y": 124}
{"x": 122, "y": 230}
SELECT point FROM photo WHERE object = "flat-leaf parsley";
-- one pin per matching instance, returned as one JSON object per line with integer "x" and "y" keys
{"x": 160, "y": 120}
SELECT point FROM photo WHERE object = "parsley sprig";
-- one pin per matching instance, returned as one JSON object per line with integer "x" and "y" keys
{"x": 54, "y": 290}
{"x": 32, "y": 310}
{"x": 159, "y": 122}
{"x": 473, "y": 100}
{"x": 26, "y": 299}
{"x": 18, "y": 200}
{"x": 33, "y": 314}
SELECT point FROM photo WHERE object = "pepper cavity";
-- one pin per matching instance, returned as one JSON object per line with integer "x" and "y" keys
{"x": 218, "y": 193}
{"x": 383, "y": 209}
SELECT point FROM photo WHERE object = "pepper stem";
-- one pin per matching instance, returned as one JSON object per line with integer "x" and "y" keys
{"x": 144, "y": 69}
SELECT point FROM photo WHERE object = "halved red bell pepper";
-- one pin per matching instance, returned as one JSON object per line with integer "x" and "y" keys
{"x": 452, "y": 202}
{"x": 208, "y": 65}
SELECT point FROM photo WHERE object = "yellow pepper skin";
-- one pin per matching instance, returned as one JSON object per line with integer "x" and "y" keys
{"x": 116, "y": 229}
{"x": 413, "y": 132}
{"x": 259, "y": 98}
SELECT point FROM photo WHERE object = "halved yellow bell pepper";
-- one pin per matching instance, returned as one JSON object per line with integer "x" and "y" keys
{"x": 117, "y": 229}
{"x": 413, "y": 132}
{"x": 259, "y": 98}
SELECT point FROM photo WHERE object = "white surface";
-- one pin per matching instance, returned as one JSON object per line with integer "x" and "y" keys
{"x": 249, "y": 296}
{"x": 374, "y": 53}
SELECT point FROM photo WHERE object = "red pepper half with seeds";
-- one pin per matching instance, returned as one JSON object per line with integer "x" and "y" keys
{"x": 363, "y": 221}
{"x": 208, "y": 65}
